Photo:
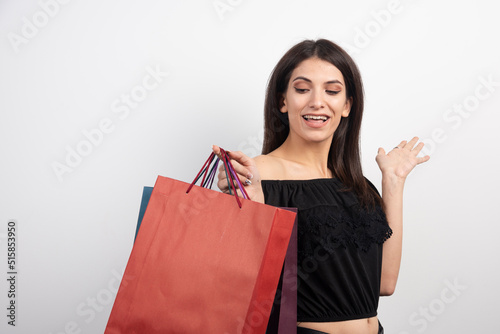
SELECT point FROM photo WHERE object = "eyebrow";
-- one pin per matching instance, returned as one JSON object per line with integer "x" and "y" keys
{"x": 328, "y": 82}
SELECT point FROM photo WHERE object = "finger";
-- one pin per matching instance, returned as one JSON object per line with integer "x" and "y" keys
{"x": 222, "y": 172}
{"x": 242, "y": 171}
{"x": 223, "y": 182}
{"x": 240, "y": 193}
{"x": 381, "y": 151}
{"x": 229, "y": 190}
{"x": 418, "y": 148}
{"x": 223, "y": 185}
{"x": 241, "y": 179}
{"x": 401, "y": 145}
{"x": 242, "y": 158}
{"x": 216, "y": 150}
{"x": 411, "y": 143}
{"x": 423, "y": 159}
{"x": 222, "y": 177}
{"x": 242, "y": 164}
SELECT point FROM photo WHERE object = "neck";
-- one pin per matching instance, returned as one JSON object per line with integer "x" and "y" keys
{"x": 313, "y": 156}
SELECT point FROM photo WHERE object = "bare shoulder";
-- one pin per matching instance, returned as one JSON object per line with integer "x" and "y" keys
{"x": 270, "y": 167}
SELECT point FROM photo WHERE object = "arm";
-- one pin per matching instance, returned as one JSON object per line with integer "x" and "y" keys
{"x": 392, "y": 196}
{"x": 395, "y": 167}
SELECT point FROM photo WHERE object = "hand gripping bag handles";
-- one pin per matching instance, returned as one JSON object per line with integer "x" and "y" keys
{"x": 202, "y": 262}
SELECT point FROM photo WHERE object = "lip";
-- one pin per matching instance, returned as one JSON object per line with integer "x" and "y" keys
{"x": 316, "y": 124}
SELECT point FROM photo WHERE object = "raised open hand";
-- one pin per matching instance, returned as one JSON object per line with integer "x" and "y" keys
{"x": 401, "y": 160}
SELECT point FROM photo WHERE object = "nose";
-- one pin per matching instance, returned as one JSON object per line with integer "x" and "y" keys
{"x": 316, "y": 101}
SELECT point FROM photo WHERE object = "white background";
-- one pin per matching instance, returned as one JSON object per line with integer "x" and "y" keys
{"x": 62, "y": 78}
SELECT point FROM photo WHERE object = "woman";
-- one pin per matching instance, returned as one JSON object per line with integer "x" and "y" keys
{"x": 350, "y": 238}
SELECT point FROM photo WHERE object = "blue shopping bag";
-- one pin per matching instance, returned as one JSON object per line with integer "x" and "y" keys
{"x": 146, "y": 195}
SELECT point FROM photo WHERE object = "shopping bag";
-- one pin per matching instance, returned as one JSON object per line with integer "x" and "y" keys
{"x": 288, "y": 301}
{"x": 283, "y": 318}
{"x": 146, "y": 195}
{"x": 202, "y": 262}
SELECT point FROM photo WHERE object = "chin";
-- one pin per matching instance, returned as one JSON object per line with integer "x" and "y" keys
{"x": 319, "y": 139}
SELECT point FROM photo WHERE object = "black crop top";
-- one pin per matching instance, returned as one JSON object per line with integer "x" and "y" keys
{"x": 339, "y": 249}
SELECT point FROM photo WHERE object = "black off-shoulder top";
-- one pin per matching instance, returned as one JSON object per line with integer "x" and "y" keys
{"x": 339, "y": 248}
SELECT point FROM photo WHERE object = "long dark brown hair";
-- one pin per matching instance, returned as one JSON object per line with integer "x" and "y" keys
{"x": 344, "y": 157}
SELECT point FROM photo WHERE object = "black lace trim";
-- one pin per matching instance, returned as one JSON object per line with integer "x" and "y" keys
{"x": 332, "y": 227}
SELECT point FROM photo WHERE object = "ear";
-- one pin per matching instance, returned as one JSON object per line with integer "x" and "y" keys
{"x": 283, "y": 107}
{"x": 347, "y": 107}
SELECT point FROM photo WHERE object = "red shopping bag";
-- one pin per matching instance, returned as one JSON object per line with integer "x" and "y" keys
{"x": 202, "y": 263}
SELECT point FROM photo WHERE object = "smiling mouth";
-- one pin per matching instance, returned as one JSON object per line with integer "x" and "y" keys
{"x": 315, "y": 118}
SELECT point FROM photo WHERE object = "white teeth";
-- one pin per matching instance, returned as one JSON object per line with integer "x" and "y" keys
{"x": 324, "y": 118}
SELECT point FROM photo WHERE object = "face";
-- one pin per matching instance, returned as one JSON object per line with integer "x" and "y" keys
{"x": 315, "y": 101}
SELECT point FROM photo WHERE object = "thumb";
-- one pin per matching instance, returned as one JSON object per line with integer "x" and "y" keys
{"x": 216, "y": 149}
{"x": 381, "y": 151}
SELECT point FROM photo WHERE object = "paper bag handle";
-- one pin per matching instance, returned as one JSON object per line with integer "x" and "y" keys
{"x": 231, "y": 176}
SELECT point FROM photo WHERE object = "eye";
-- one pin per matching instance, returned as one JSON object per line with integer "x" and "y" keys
{"x": 300, "y": 91}
{"x": 332, "y": 92}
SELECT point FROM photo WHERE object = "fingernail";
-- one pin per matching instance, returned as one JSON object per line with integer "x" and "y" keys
{"x": 249, "y": 176}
